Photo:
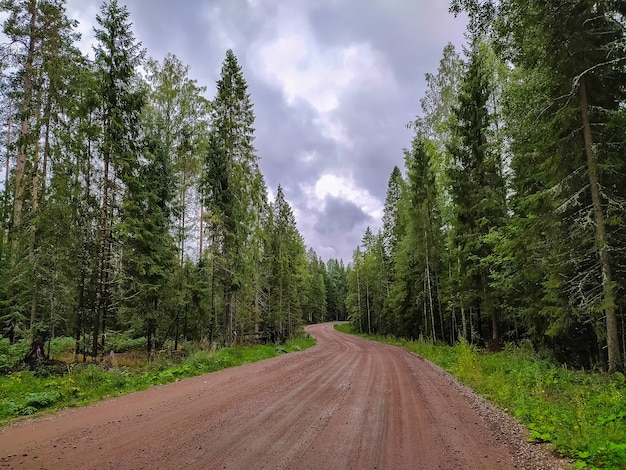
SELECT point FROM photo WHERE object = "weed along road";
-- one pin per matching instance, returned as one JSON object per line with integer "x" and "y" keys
{"x": 347, "y": 403}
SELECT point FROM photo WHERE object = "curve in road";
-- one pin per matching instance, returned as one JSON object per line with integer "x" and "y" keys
{"x": 347, "y": 403}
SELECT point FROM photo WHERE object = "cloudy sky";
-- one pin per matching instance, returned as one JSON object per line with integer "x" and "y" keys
{"x": 333, "y": 82}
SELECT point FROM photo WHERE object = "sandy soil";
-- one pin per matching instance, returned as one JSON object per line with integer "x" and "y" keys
{"x": 347, "y": 403}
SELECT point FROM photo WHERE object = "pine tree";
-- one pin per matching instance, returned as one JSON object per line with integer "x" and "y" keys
{"x": 43, "y": 64}
{"x": 590, "y": 75}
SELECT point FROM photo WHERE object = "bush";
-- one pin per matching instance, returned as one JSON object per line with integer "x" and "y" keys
{"x": 12, "y": 355}
{"x": 62, "y": 346}
{"x": 8, "y": 409}
{"x": 120, "y": 342}
{"x": 42, "y": 399}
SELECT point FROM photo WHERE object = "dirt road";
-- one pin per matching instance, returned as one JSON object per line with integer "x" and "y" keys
{"x": 345, "y": 404}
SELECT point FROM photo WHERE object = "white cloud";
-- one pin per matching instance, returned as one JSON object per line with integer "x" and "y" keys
{"x": 288, "y": 55}
{"x": 335, "y": 130}
{"x": 85, "y": 13}
{"x": 344, "y": 188}
{"x": 319, "y": 77}
{"x": 307, "y": 157}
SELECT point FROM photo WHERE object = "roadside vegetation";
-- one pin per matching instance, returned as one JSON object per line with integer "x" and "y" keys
{"x": 581, "y": 414}
{"x": 61, "y": 384}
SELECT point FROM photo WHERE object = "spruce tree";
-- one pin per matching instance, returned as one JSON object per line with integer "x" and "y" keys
{"x": 477, "y": 191}
{"x": 234, "y": 194}
{"x": 336, "y": 282}
{"x": 148, "y": 247}
{"x": 314, "y": 301}
{"x": 289, "y": 270}
{"x": 117, "y": 54}
{"x": 414, "y": 297}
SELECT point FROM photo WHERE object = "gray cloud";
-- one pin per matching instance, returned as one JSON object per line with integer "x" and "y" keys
{"x": 284, "y": 134}
{"x": 339, "y": 228}
{"x": 409, "y": 33}
{"x": 340, "y": 217}
{"x": 379, "y": 124}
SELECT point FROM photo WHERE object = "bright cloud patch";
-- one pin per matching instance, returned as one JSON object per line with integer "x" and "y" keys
{"x": 342, "y": 188}
{"x": 318, "y": 77}
{"x": 291, "y": 57}
{"x": 85, "y": 13}
{"x": 337, "y": 212}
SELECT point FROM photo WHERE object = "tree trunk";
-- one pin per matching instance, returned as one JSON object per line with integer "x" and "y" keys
{"x": 8, "y": 157}
{"x": 612, "y": 337}
{"x": 81, "y": 326}
{"x": 102, "y": 258}
{"x": 20, "y": 168}
{"x": 181, "y": 223}
{"x": 464, "y": 322}
{"x": 495, "y": 332}
{"x": 80, "y": 310}
{"x": 358, "y": 295}
{"x": 367, "y": 304}
{"x": 201, "y": 231}
{"x": 33, "y": 225}
{"x": 213, "y": 284}
{"x": 177, "y": 321}
{"x": 430, "y": 297}
{"x": 5, "y": 206}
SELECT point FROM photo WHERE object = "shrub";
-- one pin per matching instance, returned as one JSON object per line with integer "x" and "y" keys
{"x": 42, "y": 399}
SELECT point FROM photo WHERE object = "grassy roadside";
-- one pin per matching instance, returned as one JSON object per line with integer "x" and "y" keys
{"x": 582, "y": 414}
{"x": 22, "y": 393}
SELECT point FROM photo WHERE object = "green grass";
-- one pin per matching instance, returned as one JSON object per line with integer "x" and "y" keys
{"x": 23, "y": 393}
{"x": 581, "y": 414}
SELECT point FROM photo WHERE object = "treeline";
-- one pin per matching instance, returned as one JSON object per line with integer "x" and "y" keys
{"x": 134, "y": 204}
{"x": 508, "y": 224}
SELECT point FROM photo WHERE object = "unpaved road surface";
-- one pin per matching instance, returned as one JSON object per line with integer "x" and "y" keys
{"x": 347, "y": 403}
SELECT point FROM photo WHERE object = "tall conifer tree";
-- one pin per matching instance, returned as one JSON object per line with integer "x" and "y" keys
{"x": 234, "y": 193}
{"x": 477, "y": 189}
{"x": 117, "y": 56}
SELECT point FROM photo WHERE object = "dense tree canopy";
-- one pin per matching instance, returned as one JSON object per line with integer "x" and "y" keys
{"x": 523, "y": 237}
{"x": 135, "y": 204}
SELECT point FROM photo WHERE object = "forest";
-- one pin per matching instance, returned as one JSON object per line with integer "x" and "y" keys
{"x": 133, "y": 204}
{"x": 507, "y": 225}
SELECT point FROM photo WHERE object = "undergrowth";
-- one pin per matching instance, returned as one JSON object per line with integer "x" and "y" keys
{"x": 581, "y": 414}
{"x": 23, "y": 393}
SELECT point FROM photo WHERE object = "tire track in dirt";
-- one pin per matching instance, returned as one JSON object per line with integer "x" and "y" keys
{"x": 347, "y": 403}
